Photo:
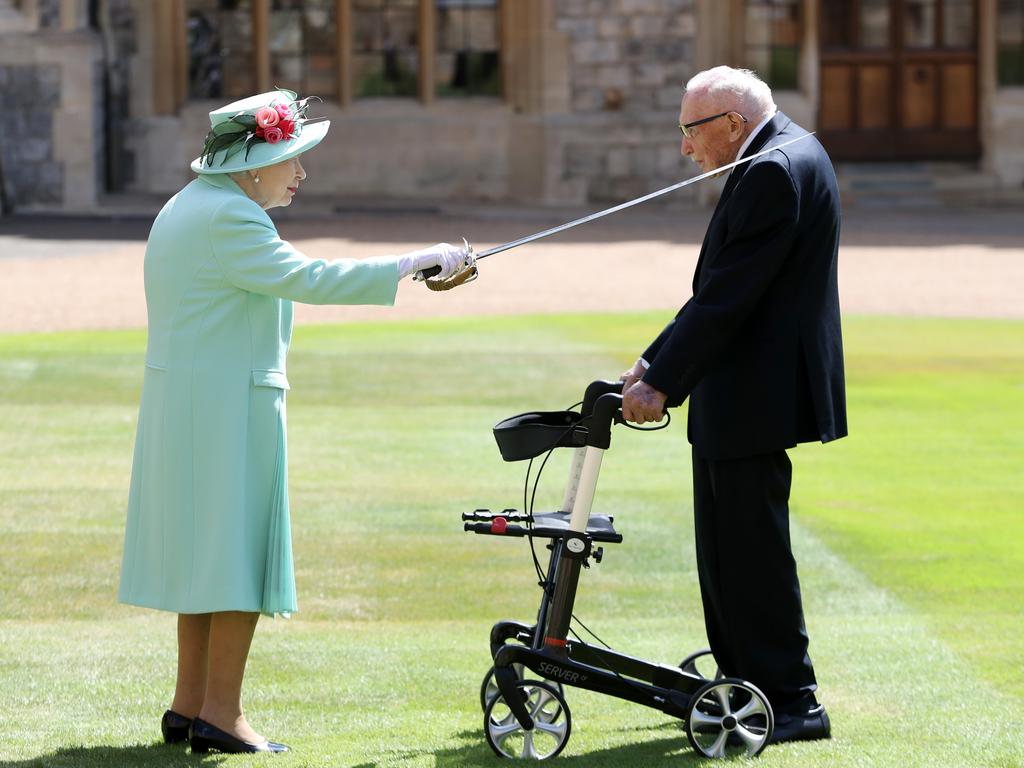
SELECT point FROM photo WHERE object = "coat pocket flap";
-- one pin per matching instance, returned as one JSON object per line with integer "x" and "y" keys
{"x": 270, "y": 379}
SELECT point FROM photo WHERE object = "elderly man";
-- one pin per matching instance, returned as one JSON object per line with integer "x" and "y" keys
{"x": 758, "y": 351}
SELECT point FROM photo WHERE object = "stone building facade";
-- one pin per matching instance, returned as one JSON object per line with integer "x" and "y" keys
{"x": 539, "y": 101}
{"x": 51, "y": 134}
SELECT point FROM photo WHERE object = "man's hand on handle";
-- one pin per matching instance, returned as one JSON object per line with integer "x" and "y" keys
{"x": 642, "y": 403}
{"x": 633, "y": 375}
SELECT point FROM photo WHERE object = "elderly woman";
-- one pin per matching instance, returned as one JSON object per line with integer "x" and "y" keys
{"x": 208, "y": 534}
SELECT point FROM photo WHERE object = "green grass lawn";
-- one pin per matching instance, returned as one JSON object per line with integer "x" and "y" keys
{"x": 909, "y": 535}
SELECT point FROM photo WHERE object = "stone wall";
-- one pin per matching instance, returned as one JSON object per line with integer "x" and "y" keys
{"x": 628, "y": 55}
{"x": 30, "y": 172}
{"x": 52, "y": 145}
{"x": 628, "y": 61}
{"x": 598, "y": 123}
{"x": 588, "y": 116}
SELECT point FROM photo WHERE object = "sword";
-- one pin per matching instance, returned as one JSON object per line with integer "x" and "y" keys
{"x": 440, "y": 285}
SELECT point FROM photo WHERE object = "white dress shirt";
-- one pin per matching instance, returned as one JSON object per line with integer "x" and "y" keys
{"x": 753, "y": 133}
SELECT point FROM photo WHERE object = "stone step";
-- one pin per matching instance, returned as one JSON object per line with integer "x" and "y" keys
{"x": 921, "y": 185}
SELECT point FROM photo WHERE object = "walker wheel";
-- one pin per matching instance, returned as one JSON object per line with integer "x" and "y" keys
{"x": 729, "y": 713}
{"x": 552, "y": 723}
{"x": 702, "y": 663}
{"x": 489, "y": 688}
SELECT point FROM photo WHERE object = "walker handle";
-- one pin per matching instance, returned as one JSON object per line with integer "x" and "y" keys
{"x": 607, "y": 411}
{"x": 595, "y": 390}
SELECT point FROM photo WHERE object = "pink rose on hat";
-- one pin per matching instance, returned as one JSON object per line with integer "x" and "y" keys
{"x": 273, "y": 135}
{"x": 267, "y": 117}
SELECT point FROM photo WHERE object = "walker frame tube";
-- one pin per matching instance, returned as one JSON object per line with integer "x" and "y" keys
{"x": 575, "y": 470}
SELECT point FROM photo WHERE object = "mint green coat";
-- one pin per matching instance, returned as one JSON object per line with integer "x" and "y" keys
{"x": 208, "y": 524}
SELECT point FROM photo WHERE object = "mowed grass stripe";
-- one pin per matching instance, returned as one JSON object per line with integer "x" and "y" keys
{"x": 390, "y": 442}
{"x": 925, "y": 497}
{"x": 393, "y": 693}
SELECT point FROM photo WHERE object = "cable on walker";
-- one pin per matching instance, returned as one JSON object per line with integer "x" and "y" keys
{"x": 523, "y": 695}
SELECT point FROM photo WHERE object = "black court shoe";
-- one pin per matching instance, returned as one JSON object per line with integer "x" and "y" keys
{"x": 174, "y": 727}
{"x": 203, "y": 737}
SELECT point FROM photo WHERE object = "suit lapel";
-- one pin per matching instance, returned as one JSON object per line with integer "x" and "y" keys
{"x": 770, "y": 131}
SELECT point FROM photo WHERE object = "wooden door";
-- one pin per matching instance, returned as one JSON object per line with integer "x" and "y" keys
{"x": 899, "y": 79}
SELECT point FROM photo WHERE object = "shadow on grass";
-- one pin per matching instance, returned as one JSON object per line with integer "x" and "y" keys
{"x": 157, "y": 754}
{"x": 671, "y": 751}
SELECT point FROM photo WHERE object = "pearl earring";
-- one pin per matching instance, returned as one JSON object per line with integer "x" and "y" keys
{"x": 257, "y": 179}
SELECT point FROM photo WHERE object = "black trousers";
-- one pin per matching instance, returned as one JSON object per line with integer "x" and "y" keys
{"x": 748, "y": 581}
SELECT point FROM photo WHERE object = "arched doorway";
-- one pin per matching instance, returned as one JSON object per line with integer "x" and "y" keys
{"x": 899, "y": 79}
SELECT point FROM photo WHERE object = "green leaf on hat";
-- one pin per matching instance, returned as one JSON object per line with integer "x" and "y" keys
{"x": 229, "y": 126}
{"x": 233, "y": 150}
{"x": 245, "y": 119}
{"x": 249, "y": 144}
{"x": 215, "y": 143}
{"x": 292, "y": 95}
{"x": 220, "y": 142}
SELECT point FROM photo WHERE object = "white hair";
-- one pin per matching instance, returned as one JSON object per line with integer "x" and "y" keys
{"x": 740, "y": 89}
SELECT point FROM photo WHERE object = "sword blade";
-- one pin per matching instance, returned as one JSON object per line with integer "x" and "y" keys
{"x": 622, "y": 206}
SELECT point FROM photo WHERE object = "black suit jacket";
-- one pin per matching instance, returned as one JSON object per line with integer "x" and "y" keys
{"x": 758, "y": 349}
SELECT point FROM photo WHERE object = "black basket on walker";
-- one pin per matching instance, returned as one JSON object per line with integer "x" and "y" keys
{"x": 529, "y": 435}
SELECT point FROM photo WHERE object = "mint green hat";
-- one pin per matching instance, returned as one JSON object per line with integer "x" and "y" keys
{"x": 258, "y": 131}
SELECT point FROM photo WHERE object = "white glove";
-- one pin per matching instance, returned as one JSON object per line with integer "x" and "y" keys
{"x": 449, "y": 258}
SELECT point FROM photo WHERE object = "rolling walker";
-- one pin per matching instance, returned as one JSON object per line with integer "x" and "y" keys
{"x": 528, "y": 717}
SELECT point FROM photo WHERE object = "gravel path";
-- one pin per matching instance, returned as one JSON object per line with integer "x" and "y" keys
{"x": 61, "y": 274}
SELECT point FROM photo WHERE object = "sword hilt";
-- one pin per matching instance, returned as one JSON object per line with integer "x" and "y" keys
{"x": 423, "y": 274}
{"x": 465, "y": 275}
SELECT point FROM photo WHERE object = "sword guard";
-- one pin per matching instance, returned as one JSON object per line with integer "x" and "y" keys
{"x": 467, "y": 275}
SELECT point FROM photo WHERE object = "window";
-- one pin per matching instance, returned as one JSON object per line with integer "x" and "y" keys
{"x": 467, "y": 61}
{"x": 847, "y": 25}
{"x": 772, "y": 32}
{"x": 385, "y": 61}
{"x": 958, "y": 24}
{"x": 303, "y": 45}
{"x": 923, "y": 20}
{"x": 342, "y": 48}
{"x": 919, "y": 23}
{"x": 220, "y": 54}
{"x": 924, "y": 24}
{"x": 1010, "y": 42}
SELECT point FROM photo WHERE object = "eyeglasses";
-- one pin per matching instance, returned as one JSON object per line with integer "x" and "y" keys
{"x": 687, "y": 128}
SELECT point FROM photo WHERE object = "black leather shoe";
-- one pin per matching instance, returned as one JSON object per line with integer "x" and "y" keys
{"x": 809, "y": 726}
{"x": 203, "y": 737}
{"x": 174, "y": 727}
